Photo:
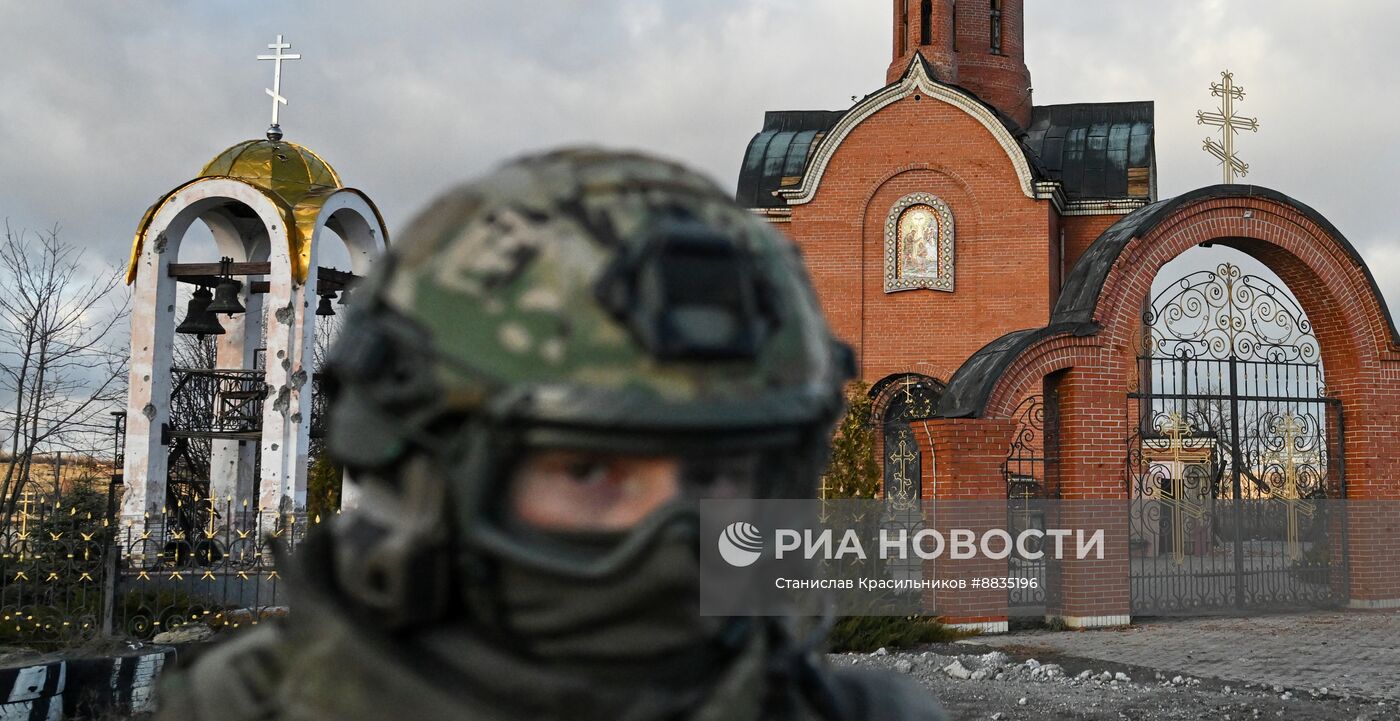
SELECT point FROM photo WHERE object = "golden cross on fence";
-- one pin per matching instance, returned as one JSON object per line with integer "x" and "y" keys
{"x": 1229, "y": 125}
{"x": 1286, "y": 488}
{"x": 25, "y": 504}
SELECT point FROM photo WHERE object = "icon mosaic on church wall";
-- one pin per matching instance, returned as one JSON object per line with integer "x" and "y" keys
{"x": 919, "y": 244}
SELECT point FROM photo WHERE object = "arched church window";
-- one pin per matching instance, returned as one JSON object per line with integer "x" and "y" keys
{"x": 919, "y": 244}
{"x": 926, "y": 23}
{"x": 996, "y": 26}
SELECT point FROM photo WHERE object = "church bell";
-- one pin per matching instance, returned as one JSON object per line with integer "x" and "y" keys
{"x": 198, "y": 319}
{"x": 226, "y": 297}
{"x": 325, "y": 308}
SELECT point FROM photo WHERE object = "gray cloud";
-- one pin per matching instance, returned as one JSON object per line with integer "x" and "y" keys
{"x": 104, "y": 106}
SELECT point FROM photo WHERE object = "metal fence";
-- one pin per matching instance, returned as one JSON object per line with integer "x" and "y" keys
{"x": 223, "y": 403}
{"x": 73, "y": 571}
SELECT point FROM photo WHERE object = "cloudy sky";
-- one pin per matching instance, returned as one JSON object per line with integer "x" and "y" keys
{"x": 105, "y": 105}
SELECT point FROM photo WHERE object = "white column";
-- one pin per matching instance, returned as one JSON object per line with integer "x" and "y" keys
{"x": 232, "y": 462}
{"x": 148, "y": 379}
{"x": 290, "y": 327}
{"x": 148, "y": 395}
{"x": 153, "y": 323}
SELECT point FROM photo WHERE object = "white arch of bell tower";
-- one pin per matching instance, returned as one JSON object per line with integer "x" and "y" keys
{"x": 289, "y": 321}
{"x": 290, "y": 329}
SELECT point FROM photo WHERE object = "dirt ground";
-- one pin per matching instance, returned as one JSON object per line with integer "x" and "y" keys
{"x": 1005, "y": 685}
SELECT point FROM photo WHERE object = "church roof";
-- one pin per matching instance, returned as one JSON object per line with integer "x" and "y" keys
{"x": 294, "y": 177}
{"x": 1096, "y": 151}
{"x": 289, "y": 170}
{"x": 777, "y": 157}
{"x": 971, "y": 386}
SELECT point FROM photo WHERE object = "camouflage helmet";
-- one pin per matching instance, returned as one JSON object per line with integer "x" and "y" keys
{"x": 581, "y": 300}
{"x": 599, "y": 299}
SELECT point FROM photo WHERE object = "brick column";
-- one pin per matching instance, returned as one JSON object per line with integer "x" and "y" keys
{"x": 1088, "y": 468}
{"x": 968, "y": 492}
{"x": 1373, "y": 499}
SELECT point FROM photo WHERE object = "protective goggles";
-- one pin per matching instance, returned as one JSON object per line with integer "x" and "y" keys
{"x": 591, "y": 514}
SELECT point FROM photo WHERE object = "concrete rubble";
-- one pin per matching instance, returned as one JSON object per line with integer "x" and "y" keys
{"x": 974, "y": 683}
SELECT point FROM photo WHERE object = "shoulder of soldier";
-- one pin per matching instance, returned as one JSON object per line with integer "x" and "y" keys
{"x": 233, "y": 680}
{"x": 870, "y": 695}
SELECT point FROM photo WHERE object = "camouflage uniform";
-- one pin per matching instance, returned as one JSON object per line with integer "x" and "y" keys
{"x": 580, "y": 300}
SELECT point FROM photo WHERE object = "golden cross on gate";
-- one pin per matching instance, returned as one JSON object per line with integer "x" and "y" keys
{"x": 1229, "y": 125}
{"x": 1175, "y": 493}
{"x": 1287, "y": 488}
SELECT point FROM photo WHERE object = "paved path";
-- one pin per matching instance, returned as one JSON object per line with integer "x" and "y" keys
{"x": 1352, "y": 652}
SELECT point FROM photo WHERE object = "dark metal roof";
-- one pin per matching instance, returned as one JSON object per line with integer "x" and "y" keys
{"x": 972, "y": 385}
{"x": 1091, "y": 147}
{"x": 777, "y": 157}
{"x": 1097, "y": 151}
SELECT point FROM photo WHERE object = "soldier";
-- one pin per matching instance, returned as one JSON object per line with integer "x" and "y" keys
{"x": 533, "y": 389}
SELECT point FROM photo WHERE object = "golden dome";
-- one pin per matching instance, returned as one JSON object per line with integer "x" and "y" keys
{"x": 287, "y": 170}
{"x": 294, "y": 178}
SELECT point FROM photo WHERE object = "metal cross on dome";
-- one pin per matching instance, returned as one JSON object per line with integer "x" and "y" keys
{"x": 1229, "y": 124}
{"x": 275, "y": 131}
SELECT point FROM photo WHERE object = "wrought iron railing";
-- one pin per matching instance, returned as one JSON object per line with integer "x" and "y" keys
{"x": 228, "y": 403}
{"x": 1028, "y": 487}
{"x": 216, "y": 403}
{"x": 73, "y": 571}
{"x": 1237, "y": 449}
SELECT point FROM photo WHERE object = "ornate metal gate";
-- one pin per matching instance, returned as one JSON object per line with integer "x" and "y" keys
{"x": 1236, "y": 451}
{"x": 914, "y": 400}
{"x": 1027, "y": 486}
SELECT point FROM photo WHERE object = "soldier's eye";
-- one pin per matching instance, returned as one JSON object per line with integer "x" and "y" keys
{"x": 567, "y": 491}
{"x": 589, "y": 473}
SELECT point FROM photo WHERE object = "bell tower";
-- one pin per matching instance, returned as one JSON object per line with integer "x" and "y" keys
{"x": 924, "y": 27}
{"x": 975, "y": 44}
{"x": 250, "y": 416}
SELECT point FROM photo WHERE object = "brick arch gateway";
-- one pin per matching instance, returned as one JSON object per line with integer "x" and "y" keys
{"x": 1163, "y": 443}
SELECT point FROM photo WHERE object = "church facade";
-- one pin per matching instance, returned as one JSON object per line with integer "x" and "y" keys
{"x": 945, "y": 209}
{"x": 991, "y": 261}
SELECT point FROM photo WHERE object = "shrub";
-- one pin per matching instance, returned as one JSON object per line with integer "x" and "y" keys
{"x": 854, "y": 473}
{"x": 323, "y": 487}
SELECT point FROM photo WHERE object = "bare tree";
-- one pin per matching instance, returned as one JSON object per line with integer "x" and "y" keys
{"x": 327, "y": 331}
{"x": 194, "y": 352}
{"x": 58, "y": 363}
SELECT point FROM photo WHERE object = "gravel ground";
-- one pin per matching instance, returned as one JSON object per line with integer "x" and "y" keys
{"x": 978, "y": 683}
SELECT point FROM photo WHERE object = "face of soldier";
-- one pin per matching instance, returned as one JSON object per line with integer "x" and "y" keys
{"x": 568, "y": 491}
{"x": 585, "y": 506}
{"x": 576, "y": 491}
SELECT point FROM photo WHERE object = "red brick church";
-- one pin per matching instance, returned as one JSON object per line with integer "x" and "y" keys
{"x": 992, "y": 260}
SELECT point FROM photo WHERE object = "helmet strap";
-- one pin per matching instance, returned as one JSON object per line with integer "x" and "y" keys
{"x": 392, "y": 552}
